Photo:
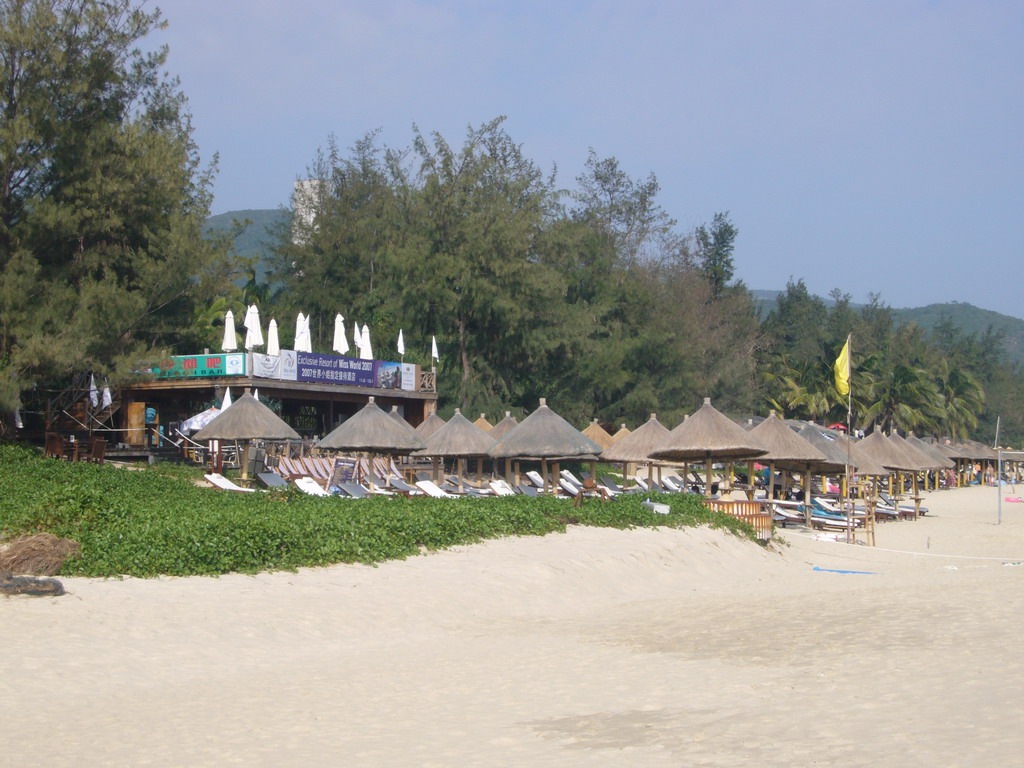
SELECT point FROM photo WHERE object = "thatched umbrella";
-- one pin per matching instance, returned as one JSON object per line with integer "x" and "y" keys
{"x": 788, "y": 450}
{"x": 460, "y": 439}
{"x": 483, "y": 423}
{"x": 372, "y": 431}
{"x": 942, "y": 461}
{"x": 598, "y": 434}
{"x": 621, "y": 433}
{"x": 501, "y": 429}
{"x": 504, "y": 426}
{"x": 247, "y": 419}
{"x": 394, "y": 414}
{"x": 430, "y": 425}
{"x": 708, "y": 435}
{"x": 637, "y": 445}
{"x": 544, "y": 435}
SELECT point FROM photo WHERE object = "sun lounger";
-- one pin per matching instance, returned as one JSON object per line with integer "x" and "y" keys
{"x": 272, "y": 480}
{"x": 501, "y": 488}
{"x": 528, "y": 490}
{"x": 222, "y": 482}
{"x": 431, "y": 488}
{"x": 310, "y": 486}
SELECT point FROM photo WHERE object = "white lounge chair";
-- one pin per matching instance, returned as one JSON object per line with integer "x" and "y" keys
{"x": 310, "y": 486}
{"x": 501, "y": 488}
{"x": 430, "y": 488}
{"x": 222, "y": 482}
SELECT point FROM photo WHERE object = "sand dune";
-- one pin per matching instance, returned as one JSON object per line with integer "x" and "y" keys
{"x": 593, "y": 648}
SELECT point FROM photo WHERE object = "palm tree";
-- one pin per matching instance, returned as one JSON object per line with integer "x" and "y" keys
{"x": 899, "y": 396}
{"x": 962, "y": 399}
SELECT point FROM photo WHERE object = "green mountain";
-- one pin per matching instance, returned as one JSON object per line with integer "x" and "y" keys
{"x": 261, "y": 229}
{"x": 971, "y": 320}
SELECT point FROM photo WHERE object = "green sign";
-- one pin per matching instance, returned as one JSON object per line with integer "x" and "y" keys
{"x": 199, "y": 366}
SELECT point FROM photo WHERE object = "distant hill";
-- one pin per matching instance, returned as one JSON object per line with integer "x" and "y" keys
{"x": 967, "y": 317}
{"x": 257, "y": 237}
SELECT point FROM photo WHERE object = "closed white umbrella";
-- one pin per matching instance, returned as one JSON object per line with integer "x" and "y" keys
{"x": 401, "y": 345}
{"x": 230, "y": 341}
{"x": 357, "y": 339}
{"x": 340, "y": 340}
{"x": 366, "y": 353}
{"x": 226, "y": 402}
{"x": 433, "y": 348}
{"x": 253, "y": 332}
{"x": 108, "y": 399}
{"x": 94, "y": 394}
{"x": 273, "y": 345}
{"x": 307, "y": 336}
{"x": 300, "y": 328}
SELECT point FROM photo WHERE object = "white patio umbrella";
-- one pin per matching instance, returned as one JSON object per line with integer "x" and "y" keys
{"x": 253, "y": 332}
{"x": 94, "y": 394}
{"x": 273, "y": 345}
{"x": 367, "y": 350}
{"x": 226, "y": 403}
{"x": 340, "y": 340}
{"x": 401, "y": 345}
{"x": 302, "y": 334}
{"x": 357, "y": 339}
{"x": 230, "y": 340}
{"x": 307, "y": 336}
{"x": 199, "y": 421}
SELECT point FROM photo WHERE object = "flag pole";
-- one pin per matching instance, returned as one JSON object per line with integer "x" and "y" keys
{"x": 849, "y": 433}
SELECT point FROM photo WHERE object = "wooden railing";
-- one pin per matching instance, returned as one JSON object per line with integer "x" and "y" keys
{"x": 750, "y": 512}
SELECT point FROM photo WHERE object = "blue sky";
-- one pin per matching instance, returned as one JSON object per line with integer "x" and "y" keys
{"x": 873, "y": 146}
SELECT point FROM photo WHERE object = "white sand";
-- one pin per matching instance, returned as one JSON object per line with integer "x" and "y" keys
{"x": 594, "y": 648}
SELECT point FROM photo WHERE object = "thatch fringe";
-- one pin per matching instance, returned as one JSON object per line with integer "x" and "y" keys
{"x": 38, "y": 554}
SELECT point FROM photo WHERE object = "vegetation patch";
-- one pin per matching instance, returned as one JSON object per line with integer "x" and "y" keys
{"x": 158, "y": 522}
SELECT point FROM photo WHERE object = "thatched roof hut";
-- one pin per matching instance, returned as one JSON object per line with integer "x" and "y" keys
{"x": 504, "y": 426}
{"x": 483, "y": 423}
{"x": 247, "y": 419}
{"x": 394, "y": 414}
{"x": 924, "y": 460}
{"x": 942, "y": 461}
{"x": 878, "y": 448}
{"x": 833, "y": 448}
{"x": 706, "y": 435}
{"x": 430, "y": 425}
{"x": 638, "y": 444}
{"x": 599, "y": 435}
{"x": 458, "y": 438}
{"x": 785, "y": 448}
{"x": 371, "y": 430}
{"x": 621, "y": 433}
{"x": 543, "y": 435}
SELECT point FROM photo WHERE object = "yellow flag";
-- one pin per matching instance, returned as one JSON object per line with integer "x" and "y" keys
{"x": 842, "y": 369}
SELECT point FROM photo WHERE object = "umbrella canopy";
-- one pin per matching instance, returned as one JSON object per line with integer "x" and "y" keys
{"x": 622, "y": 432}
{"x": 253, "y": 331}
{"x": 372, "y": 430}
{"x": 786, "y": 449}
{"x": 598, "y": 434}
{"x": 706, "y": 435}
{"x": 879, "y": 449}
{"x": 638, "y": 444}
{"x": 200, "y": 420}
{"x": 429, "y": 426}
{"x": 366, "y": 350}
{"x": 273, "y": 345}
{"x": 942, "y": 461}
{"x": 340, "y": 339}
{"x": 833, "y": 445}
{"x": 459, "y": 438}
{"x": 247, "y": 419}
{"x": 924, "y": 460}
{"x": 504, "y": 426}
{"x": 230, "y": 342}
{"x": 544, "y": 434}
{"x": 483, "y": 423}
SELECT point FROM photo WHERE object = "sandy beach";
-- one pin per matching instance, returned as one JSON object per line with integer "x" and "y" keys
{"x": 592, "y": 648}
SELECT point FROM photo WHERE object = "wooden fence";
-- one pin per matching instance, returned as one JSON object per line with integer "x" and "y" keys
{"x": 750, "y": 512}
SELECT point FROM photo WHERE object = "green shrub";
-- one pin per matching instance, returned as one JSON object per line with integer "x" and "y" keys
{"x": 157, "y": 521}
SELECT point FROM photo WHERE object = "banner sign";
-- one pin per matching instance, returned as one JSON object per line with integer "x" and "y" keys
{"x": 334, "y": 369}
{"x": 266, "y": 366}
{"x": 409, "y": 376}
{"x": 198, "y": 366}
